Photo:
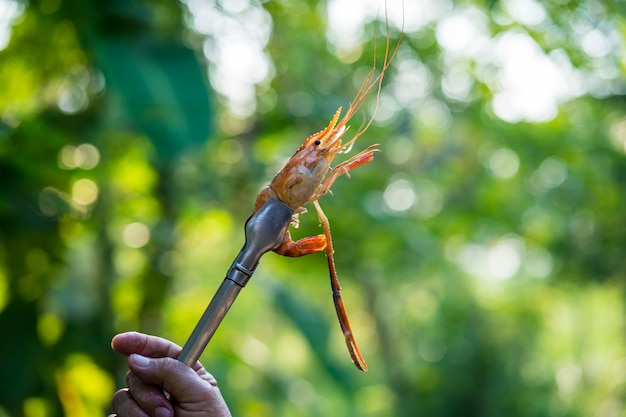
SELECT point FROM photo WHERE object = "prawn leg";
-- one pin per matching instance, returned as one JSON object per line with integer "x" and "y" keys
{"x": 301, "y": 247}
{"x": 345, "y": 167}
{"x": 340, "y": 308}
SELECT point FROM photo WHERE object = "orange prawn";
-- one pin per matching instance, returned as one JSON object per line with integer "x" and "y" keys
{"x": 308, "y": 176}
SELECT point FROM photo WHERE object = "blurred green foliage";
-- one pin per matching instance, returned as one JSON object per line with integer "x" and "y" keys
{"x": 481, "y": 253}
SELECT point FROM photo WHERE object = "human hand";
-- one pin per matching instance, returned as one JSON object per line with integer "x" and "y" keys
{"x": 153, "y": 369}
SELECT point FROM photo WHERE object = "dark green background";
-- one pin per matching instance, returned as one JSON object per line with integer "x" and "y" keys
{"x": 484, "y": 295}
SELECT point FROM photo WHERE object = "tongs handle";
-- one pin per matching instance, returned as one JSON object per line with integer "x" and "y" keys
{"x": 264, "y": 230}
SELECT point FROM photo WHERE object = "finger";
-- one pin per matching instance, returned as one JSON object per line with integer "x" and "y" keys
{"x": 202, "y": 373}
{"x": 194, "y": 392}
{"x": 181, "y": 381}
{"x": 149, "y": 397}
{"x": 143, "y": 344}
{"x": 124, "y": 405}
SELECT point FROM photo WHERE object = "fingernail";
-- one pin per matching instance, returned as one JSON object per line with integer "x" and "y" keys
{"x": 162, "y": 412}
{"x": 140, "y": 361}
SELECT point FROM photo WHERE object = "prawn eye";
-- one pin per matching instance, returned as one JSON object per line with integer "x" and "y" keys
{"x": 317, "y": 142}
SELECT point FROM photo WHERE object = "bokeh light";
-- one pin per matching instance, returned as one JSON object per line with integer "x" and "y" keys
{"x": 479, "y": 252}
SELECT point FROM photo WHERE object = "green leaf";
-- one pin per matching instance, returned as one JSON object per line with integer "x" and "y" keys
{"x": 161, "y": 88}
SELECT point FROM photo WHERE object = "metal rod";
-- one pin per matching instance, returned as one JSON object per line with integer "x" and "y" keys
{"x": 210, "y": 320}
{"x": 264, "y": 231}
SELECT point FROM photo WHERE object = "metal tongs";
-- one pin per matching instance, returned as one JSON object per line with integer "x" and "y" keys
{"x": 264, "y": 231}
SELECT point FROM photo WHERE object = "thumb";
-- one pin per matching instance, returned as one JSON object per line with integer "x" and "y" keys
{"x": 178, "y": 379}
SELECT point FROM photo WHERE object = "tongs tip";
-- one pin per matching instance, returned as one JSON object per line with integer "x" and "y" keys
{"x": 266, "y": 228}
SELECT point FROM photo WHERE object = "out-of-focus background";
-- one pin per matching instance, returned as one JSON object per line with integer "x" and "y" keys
{"x": 482, "y": 253}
